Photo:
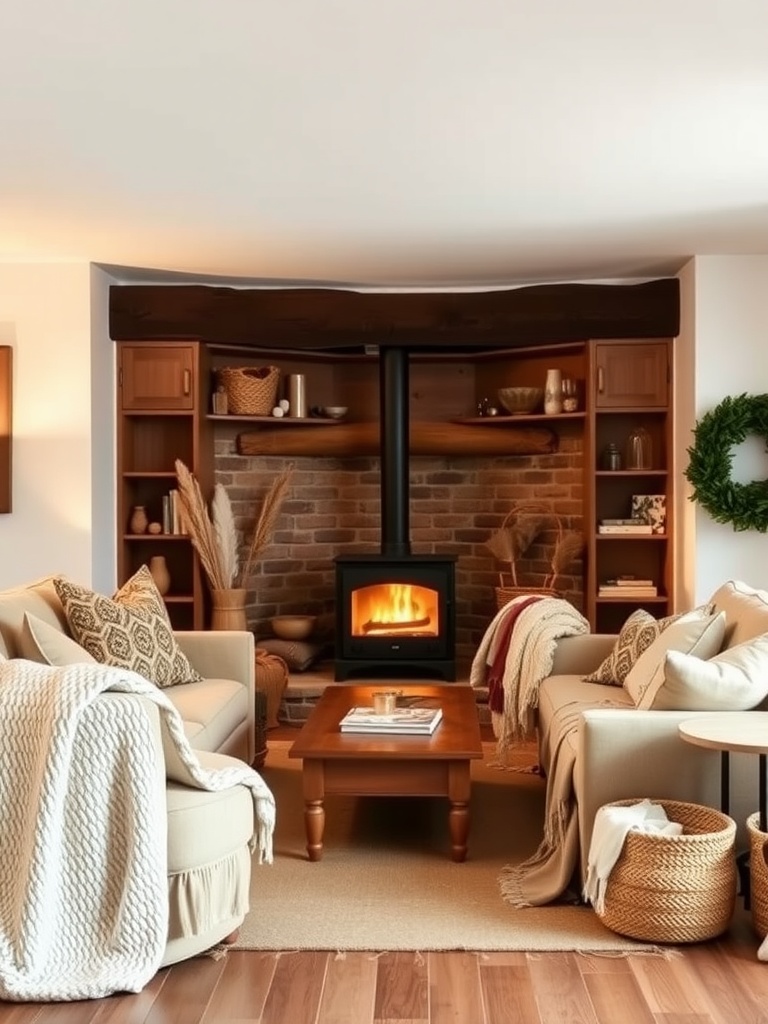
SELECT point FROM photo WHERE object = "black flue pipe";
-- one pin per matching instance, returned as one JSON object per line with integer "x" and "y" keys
{"x": 394, "y": 451}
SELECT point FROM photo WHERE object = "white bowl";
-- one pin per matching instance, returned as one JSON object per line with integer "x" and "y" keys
{"x": 336, "y": 412}
{"x": 519, "y": 401}
{"x": 293, "y": 627}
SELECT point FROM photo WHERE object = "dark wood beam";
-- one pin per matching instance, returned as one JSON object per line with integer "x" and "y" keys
{"x": 336, "y": 319}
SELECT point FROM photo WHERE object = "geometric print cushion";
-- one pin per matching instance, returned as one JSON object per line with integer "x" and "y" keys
{"x": 129, "y": 630}
{"x": 637, "y": 634}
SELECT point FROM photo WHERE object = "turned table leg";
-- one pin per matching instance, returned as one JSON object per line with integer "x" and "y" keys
{"x": 458, "y": 813}
{"x": 314, "y": 811}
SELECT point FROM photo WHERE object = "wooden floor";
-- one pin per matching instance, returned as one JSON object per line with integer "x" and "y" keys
{"x": 718, "y": 982}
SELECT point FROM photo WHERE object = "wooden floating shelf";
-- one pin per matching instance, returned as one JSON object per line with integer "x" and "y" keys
{"x": 426, "y": 438}
{"x": 280, "y": 421}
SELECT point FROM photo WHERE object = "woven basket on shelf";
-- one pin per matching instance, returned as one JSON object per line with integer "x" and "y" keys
{"x": 509, "y": 585}
{"x": 251, "y": 390}
{"x": 758, "y": 875}
{"x": 674, "y": 888}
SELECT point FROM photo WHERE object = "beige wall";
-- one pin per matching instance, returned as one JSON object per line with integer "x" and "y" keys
{"x": 726, "y": 310}
{"x": 61, "y": 470}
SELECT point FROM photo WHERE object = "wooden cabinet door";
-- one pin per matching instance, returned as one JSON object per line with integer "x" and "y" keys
{"x": 631, "y": 374}
{"x": 157, "y": 376}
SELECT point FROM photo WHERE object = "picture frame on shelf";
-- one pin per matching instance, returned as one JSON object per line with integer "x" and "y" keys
{"x": 652, "y": 509}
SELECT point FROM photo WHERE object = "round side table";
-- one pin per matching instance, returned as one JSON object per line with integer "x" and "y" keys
{"x": 734, "y": 732}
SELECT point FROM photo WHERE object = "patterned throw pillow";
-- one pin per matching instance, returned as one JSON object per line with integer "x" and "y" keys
{"x": 637, "y": 633}
{"x": 129, "y": 630}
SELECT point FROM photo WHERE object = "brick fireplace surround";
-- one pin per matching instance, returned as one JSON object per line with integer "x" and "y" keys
{"x": 333, "y": 507}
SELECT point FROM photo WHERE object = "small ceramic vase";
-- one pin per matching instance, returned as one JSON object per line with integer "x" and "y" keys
{"x": 139, "y": 520}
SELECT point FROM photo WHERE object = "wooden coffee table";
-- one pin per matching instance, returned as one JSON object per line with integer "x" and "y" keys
{"x": 361, "y": 764}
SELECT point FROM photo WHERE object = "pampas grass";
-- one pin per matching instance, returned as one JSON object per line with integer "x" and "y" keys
{"x": 199, "y": 526}
{"x": 214, "y": 534}
{"x": 226, "y": 534}
{"x": 264, "y": 526}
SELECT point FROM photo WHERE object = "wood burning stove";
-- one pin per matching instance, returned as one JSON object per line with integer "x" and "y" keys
{"x": 395, "y": 611}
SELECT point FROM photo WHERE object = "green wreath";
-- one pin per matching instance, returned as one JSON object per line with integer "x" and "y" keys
{"x": 745, "y": 506}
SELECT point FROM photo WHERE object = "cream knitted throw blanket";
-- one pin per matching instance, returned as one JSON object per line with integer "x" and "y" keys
{"x": 83, "y": 848}
{"x": 528, "y": 661}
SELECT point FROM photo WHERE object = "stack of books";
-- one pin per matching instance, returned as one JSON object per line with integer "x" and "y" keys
{"x": 420, "y": 721}
{"x": 630, "y": 526}
{"x": 627, "y": 587}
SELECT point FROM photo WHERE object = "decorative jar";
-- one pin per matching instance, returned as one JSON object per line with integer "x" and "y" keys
{"x": 639, "y": 449}
{"x": 611, "y": 458}
{"x": 139, "y": 520}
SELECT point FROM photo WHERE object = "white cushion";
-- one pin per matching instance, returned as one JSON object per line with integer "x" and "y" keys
{"x": 746, "y": 611}
{"x": 733, "y": 680}
{"x": 39, "y": 641}
{"x": 692, "y": 634}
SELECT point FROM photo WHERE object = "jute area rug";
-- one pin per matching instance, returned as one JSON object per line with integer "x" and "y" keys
{"x": 386, "y": 881}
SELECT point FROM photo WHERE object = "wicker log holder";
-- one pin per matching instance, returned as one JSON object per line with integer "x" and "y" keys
{"x": 674, "y": 889}
{"x": 520, "y": 527}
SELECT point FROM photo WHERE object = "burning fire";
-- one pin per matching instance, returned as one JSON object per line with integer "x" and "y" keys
{"x": 394, "y": 608}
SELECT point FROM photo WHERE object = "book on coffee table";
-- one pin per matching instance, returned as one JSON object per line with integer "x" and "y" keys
{"x": 415, "y": 720}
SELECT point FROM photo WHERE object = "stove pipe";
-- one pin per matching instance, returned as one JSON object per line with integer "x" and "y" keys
{"x": 394, "y": 451}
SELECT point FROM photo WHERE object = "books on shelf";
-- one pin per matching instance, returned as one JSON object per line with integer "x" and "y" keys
{"x": 628, "y": 528}
{"x": 420, "y": 721}
{"x": 620, "y": 590}
{"x": 628, "y": 580}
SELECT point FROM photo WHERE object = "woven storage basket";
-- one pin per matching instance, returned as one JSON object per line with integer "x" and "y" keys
{"x": 251, "y": 390}
{"x": 674, "y": 888}
{"x": 758, "y": 875}
{"x": 509, "y": 586}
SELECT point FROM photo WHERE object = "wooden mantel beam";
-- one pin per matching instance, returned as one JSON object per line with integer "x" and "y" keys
{"x": 335, "y": 319}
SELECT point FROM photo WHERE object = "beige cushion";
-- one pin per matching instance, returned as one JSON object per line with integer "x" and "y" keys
{"x": 38, "y": 598}
{"x": 736, "y": 679}
{"x": 637, "y": 633}
{"x": 690, "y": 634}
{"x": 130, "y": 630}
{"x": 211, "y": 709}
{"x": 39, "y": 641}
{"x": 746, "y": 611}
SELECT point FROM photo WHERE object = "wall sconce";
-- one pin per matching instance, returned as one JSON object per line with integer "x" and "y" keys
{"x": 6, "y": 381}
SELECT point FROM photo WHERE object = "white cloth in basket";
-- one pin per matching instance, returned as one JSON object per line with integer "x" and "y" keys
{"x": 610, "y": 830}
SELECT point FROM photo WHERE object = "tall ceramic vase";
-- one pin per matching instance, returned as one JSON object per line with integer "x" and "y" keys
{"x": 158, "y": 569}
{"x": 228, "y": 611}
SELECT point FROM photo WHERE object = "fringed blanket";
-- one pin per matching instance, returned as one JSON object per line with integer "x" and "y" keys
{"x": 83, "y": 848}
{"x": 547, "y": 874}
{"x": 530, "y": 651}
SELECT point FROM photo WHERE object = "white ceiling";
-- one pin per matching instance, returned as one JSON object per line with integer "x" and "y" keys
{"x": 398, "y": 143}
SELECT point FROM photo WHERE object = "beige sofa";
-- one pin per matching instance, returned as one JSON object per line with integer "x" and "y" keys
{"x": 623, "y": 752}
{"x": 209, "y": 861}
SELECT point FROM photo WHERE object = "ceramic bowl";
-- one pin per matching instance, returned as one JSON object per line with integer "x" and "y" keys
{"x": 293, "y": 627}
{"x": 336, "y": 412}
{"x": 519, "y": 401}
